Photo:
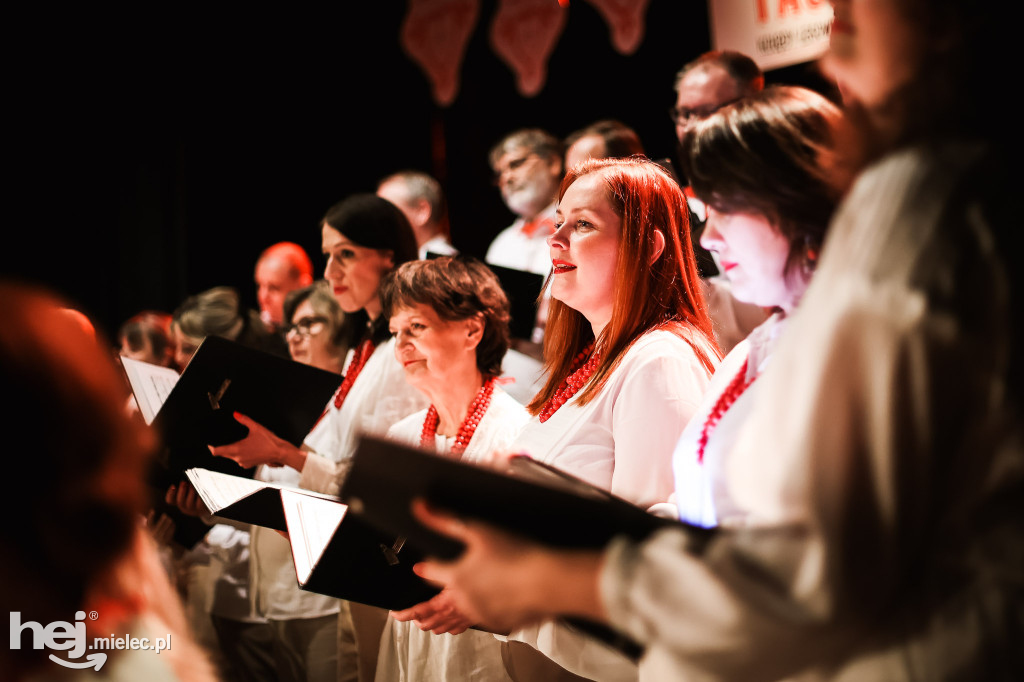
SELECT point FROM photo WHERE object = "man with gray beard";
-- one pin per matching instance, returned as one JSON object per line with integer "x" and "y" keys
{"x": 527, "y": 168}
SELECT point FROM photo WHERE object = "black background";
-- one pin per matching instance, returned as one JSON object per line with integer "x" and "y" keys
{"x": 155, "y": 155}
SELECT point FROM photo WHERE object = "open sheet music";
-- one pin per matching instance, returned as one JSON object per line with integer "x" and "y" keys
{"x": 151, "y": 384}
{"x": 246, "y": 500}
{"x": 338, "y": 554}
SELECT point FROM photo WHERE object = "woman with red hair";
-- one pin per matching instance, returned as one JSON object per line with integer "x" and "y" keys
{"x": 629, "y": 352}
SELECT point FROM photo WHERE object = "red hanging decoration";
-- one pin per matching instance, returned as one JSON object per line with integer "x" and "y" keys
{"x": 524, "y": 34}
{"x": 435, "y": 34}
{"x": 625, "y": 19}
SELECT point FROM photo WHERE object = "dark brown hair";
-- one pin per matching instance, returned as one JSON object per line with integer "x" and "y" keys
{"x": 457, "y": 288}
{"x": 770, "y": 154}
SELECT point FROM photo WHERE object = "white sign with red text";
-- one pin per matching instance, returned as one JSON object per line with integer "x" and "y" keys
{"x": 774, "y": 33}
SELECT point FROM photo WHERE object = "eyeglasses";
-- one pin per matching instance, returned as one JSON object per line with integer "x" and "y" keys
{"x": 682, "y": 115}
{"x": 512, "y": 165}
{"x": 307, "y": 326}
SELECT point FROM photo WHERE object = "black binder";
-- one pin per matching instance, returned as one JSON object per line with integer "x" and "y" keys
{"x": 531, "y": 498}
{"x": 338, "y": 554}
{"x": 523, "y": 289}
{"x": 223, "y": 377}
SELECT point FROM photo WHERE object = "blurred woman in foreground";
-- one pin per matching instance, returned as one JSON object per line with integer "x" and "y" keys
{"x": 885, "y": 459}
{"x": 75, "y": 550}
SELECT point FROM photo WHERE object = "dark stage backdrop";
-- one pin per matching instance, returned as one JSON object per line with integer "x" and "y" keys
{"x": 161, "y": 152}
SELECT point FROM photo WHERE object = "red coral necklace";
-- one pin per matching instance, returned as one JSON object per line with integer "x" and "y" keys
{"x": 476, "y": 412}
{"x": 586, "y": 362}
{"x": 359, "y": 358}
{"x": 732, "y": 393}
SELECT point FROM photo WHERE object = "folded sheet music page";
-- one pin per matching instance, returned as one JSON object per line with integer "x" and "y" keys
{"x": 219, "y": 491}
{"x": 223, "y": 490}
{"x": 312, "y": 522}
{"x": 151, "y": 385}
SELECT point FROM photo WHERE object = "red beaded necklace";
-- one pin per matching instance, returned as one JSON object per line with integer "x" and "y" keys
{"x": 468, "y": 427}
{"x": 586, "y": 362}
{"x": 362, "y": 354}
{"x": 732, "y": 392}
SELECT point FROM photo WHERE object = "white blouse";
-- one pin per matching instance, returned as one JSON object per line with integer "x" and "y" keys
{"x": 622, "y": 441}
{"x": 379, "y": 398}
{"x": 408, "y": 654}
{"x": 702, "y": 497}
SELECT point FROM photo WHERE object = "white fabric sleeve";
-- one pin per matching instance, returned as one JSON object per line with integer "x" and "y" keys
{"x": 322, "y": 475}
{"x": 657, "y": 401}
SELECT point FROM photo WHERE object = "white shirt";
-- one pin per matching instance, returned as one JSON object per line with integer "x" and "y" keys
{"x": 879, "y": 462}
{"x": 276, "y": 592}
{"x": 702, "y": 497}
{"x": 379, "y": 398}
{"x": 437, "y": 244}
{"x": 407, "y": 654}
{"x": 513, "y": 248}
{"x": 621, "y": 441}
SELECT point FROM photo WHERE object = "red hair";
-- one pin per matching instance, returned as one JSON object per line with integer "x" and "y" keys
{"x": 666, "y": 294}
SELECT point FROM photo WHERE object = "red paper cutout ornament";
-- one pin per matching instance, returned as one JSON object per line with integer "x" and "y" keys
{"x": 625, "y": 19}
{"x": 435, "y": 34}
{"x": 524, "y": 34}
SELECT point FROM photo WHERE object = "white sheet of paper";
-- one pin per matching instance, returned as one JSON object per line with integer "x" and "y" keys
{"x": 151, "y": 385}
{"x": 222, "y": 490}
{"x": 312, "y": 522}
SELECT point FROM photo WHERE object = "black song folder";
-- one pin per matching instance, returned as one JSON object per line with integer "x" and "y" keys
{"x": 224, "y": 377}
{"x": 530, "y": 498}
{"x": 338, "y": 554}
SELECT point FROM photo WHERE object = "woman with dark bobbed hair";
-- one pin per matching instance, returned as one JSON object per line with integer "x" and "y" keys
{"x": 450, "y": 321}
{"x": 763, "y": 167}
{"x": 364, "y": 238}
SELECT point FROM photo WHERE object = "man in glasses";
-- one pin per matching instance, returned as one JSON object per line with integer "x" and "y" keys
{"x": 709, "y": 82}
{"x": 527, "y": 167}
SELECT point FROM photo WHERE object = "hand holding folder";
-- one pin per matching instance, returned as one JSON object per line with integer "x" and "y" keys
{"x": 196, "y": 409}
{"x": 335, "y": 552}
{"x": 538, "y": 517}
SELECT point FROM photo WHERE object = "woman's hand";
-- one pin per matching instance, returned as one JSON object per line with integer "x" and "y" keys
{"x": 160, "y": 527}
{"x": 184, "y": 497}
{"x": 438, "y": 615}
{"x": 504, "y": 582}
{"x": 261, "y": 446}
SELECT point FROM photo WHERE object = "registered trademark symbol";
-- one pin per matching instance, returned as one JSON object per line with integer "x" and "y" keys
{"x": 93, "y": 615}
